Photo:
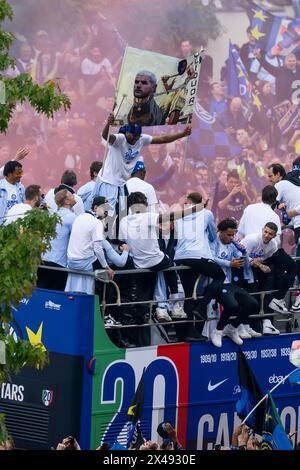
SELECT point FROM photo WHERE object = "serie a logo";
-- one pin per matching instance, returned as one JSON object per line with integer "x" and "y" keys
{"x": 47, "y": 397}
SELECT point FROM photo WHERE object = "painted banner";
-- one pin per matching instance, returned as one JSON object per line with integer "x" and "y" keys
{"x": 156, "y": 89}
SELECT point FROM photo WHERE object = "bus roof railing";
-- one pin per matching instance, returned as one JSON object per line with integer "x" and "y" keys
{"x": 102, "y": 276}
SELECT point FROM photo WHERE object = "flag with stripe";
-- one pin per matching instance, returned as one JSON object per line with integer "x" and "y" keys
{"x": 250, "y": 396}
{"x": 238, "y": 80}
{"x": 274, "y": 436}
{"x": 210, "y": 137}
{"x": 273, "y": 33}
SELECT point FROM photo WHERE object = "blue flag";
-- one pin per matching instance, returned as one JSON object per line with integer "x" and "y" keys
{"x": 250, "y": 396}
{"x": 238, "y": 81}
{"x": 290, "y": 120}
{"x": 274, "y": 436}
{"x": 210, "y": 137}
{"x": 117, "y": 446}
{"x": 278, "y": 35}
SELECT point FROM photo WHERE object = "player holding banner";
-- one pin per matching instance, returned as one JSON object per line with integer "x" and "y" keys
{"x": 124, "y": 151}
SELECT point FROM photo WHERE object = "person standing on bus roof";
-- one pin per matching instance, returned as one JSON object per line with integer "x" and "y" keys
{"x": 123, "y": 153}
{"x": 85, "y": 251}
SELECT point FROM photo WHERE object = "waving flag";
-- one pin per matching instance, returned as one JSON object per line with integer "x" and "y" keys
{"x": 134, "y": 414}
{"x": 250, "y": 396}
{"x": 275, "y": 34}
{"x": 238, "y": 81}
{"x": 274, "y": 436}
{"x": 290, "y": 120}
{"x": 210, "y": 138}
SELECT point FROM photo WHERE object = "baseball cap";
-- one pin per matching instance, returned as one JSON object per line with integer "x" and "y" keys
{"x": 139, "y": 166}
{"x": 134, "y": 129}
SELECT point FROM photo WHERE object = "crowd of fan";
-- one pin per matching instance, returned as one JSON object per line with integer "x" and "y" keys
{"x": 242, "y": 439}
{"x": 89, "y": 77}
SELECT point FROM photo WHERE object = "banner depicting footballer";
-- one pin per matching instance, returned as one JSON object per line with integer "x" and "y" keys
{"x": 156, "y": 89}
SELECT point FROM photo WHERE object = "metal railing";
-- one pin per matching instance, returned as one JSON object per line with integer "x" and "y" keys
{"x": 101, "y": 275}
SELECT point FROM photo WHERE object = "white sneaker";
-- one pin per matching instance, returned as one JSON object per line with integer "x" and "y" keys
{"x": 216, "y": 337}
{"x": 178, "y": 312}
{"x": 162, "y": 315}
{"x": 251, "y": 332}
{"x": 278, "y": 305}
{"x": 232, "y": 333}
{"x": 243, "y": 333}
{"x": 269, "y": 329}
{"x": 296, "y": 306}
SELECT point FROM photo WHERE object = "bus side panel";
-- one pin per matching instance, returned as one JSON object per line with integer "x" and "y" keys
{"x": 63, "y": 324}
{"x": 42, "y": 407}
{"x": 195, "y": 386}
{"x": 104, "y": 409}
{"x": 214, "y": 385}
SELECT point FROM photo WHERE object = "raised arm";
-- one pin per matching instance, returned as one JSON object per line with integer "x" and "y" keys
{"x": 265, "y": 64}
{"x": 21, "y": 153}
{"x": 167, "y": 139}
{"x": 171, "y": 216}
{"x": 109, "y": 122}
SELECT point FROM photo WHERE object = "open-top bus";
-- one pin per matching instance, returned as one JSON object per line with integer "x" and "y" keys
{"x": 88, "y": 386}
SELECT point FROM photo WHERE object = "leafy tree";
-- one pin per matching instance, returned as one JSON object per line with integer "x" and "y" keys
{"x": 45, "y": 99}
{"x": 23, "y": 242}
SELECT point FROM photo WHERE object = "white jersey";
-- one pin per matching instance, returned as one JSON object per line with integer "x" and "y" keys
{"x": 137, "y": 185}
{"x": 256, "y": 248}
{"x": 86, "y": 230}
{"x": 12, "y": 194}
{"x": 78, "y": 208}
{"x": 289, "y": 193}
{"x": 255, "y": 217}
{"x": 16, "y": 212}
{"x": 195, "y": 232}
{"x": 139, "y": 232}
{"x": 121, "y": 159}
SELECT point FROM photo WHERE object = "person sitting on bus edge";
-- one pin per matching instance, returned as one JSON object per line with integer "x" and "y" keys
{"x": 264, "y": 253}
{"x": 235, "y": 300}
{"x": 255, "y": 216}
{"x": 194, "y": 233}
{"x": 139, "y": 230}
{"x": 123, "y": 152}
